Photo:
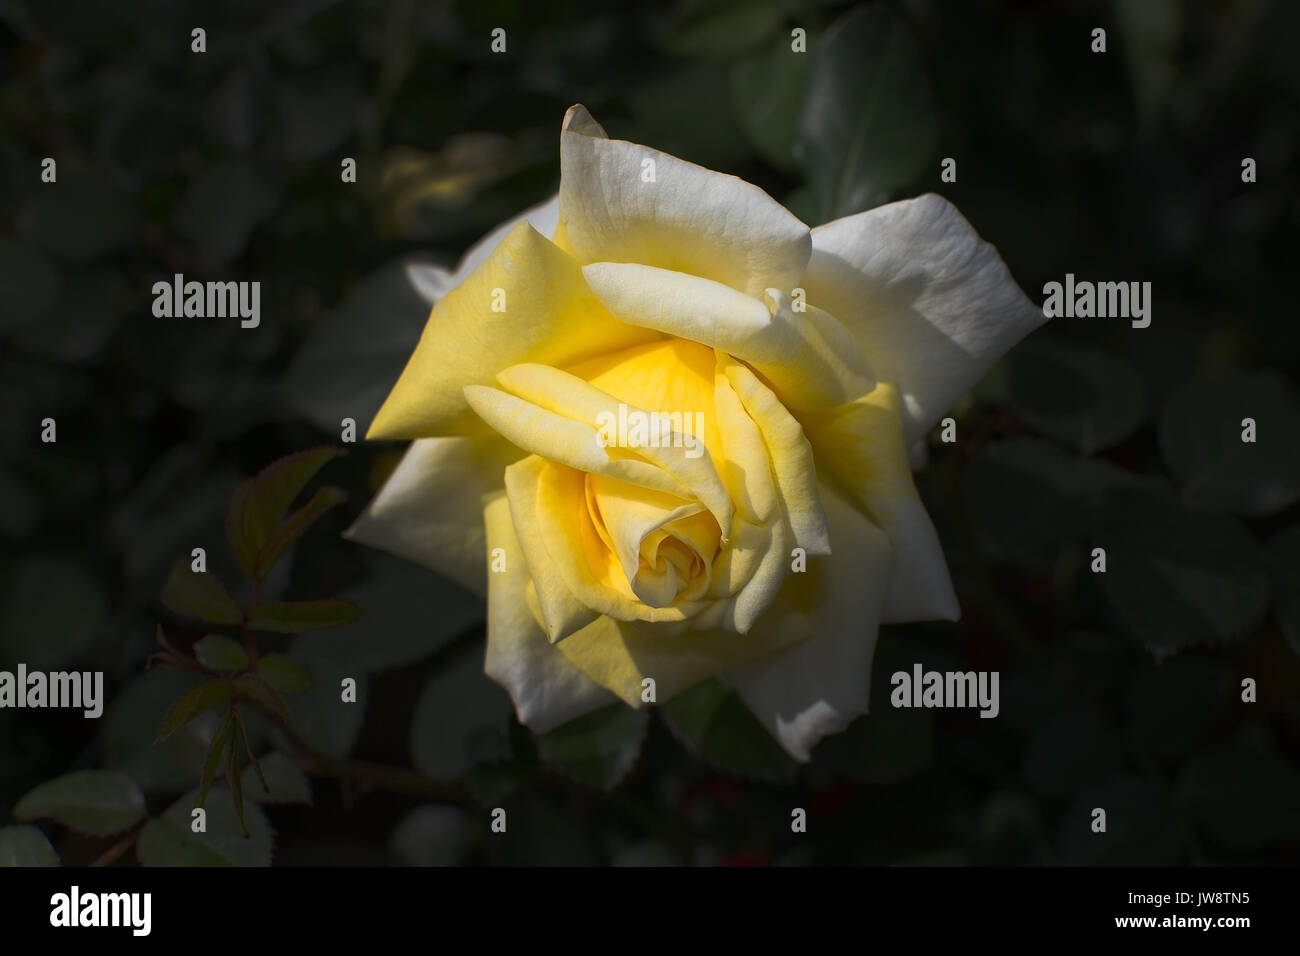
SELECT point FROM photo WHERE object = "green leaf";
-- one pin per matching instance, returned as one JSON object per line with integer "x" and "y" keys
{"x": 768, "y": 91}
{"x": 598, "y": 749}
{"x": 1143, "y": 827}
{"x": 284, "y": 674}
{"x": 715, "y": 724}
{"x": 408, "y": 613}
{"x": 163, "y": 843}
{"x": 20, "y": 509}
{"x": 1081, "y": 396}
{"x": 1178, "y": 707}
{"x": 198, "y": 594}
{"x": 131, "y": 728}
{"x": 223, "y": 204}
{"x": 1284, "y": 561}
{"x": 95, "y": 802}
{"x": 868, "y": 125}
{"x": 461, "y": 719}
{"x": 434, "y": 835}
{"x": 29, "y": 285}
{"x": 259, "y": 505}
{"x": 287, "y": 783}
{"x": 169, "y": 841}
{"x": 221, "y": 653}
{"x": 1070, "y": 751}
{"x": 882, "y": 748}
{"x": 717, "y": 29}
{"x": 51, "y": 612}
{"x": 215, "y": 752}
{"x": 319, "y": 713}
{"x": 295, "y": 617}
{"x": 295, "y": 526}
{"x": 688, "y": 112}
{"x": 79, "y": 218}
{"x": 1176, "y": 577}
{"x": 252, "y": 687}
{"x": 1026, "y": 498}
{"x": 1200, "y": 438}
{"x": 194, "y": 702}
{"x": 1244, "y": 799}
{"x": 25, "y": 846}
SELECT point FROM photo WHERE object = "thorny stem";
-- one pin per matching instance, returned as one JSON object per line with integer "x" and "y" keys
{"x": 250, "y": 642}
{"x": 374, "y": 776}
{"x": 119, "y": 849}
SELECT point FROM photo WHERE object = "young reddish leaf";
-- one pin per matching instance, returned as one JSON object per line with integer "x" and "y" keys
{"x": 295, "y": 526}
{"x": 213, "y": 760}
{"x": 258, "y": 691}
{"x": 248, "y": 749}
{"x": 259, "y": 504}
{"x": 283, "y": 674}
{"x": 294, "y": 617}
{"x": 194, "y": 702}
{"x": 236, "y": 783}
{"x": 200, "y": 595}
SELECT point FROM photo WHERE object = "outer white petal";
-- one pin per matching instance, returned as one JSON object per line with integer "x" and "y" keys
{"x": 684, "y": 217}
{"x": 547, "y": 689}
{"x": 430, "y": 509}
{"x": 817, "y": 687}
{"x": 932, "y": 304}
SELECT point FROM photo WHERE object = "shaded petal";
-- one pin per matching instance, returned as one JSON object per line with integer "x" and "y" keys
{"x": 790, "y": 455}
{"x": 861, "y": 448}
{"x": 430, "y": 510}
{"x": 619, "y": 655}
{"x": 547, "y": 690}
{"x": 932, "y": 304}
{"x": 559, "y": 611}
{"x": 817, "y": 687}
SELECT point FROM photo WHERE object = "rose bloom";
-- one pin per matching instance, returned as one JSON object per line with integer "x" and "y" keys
{"x": 814, "y": 357}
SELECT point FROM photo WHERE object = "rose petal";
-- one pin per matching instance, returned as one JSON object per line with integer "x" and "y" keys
{"x": 932, "y": 304}
{"x": 550, "y": 317}
{"x": 817, "y": 687}
{"x": 542, "y": 217}
{"x": 811, "y": 360}
{"x": 430, "y": 508}
{"x": 560, "y": 612}
{"x": 790, "y": 455}
{"x": 562, "y": 414}
{"x": 619, "y": 655}
{"x": 688, "y": 218}
{"x": 547, "y": 690}
{"x": 861, "y": 448}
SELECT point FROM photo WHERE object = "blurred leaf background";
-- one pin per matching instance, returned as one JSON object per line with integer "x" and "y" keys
{"x": 1120, "y": 690}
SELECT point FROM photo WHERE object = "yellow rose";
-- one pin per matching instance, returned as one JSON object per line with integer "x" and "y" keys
{"x": 766, "y": 531}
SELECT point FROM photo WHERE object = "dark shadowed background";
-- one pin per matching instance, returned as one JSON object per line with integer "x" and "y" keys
{"x": 1121, "y": 691}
